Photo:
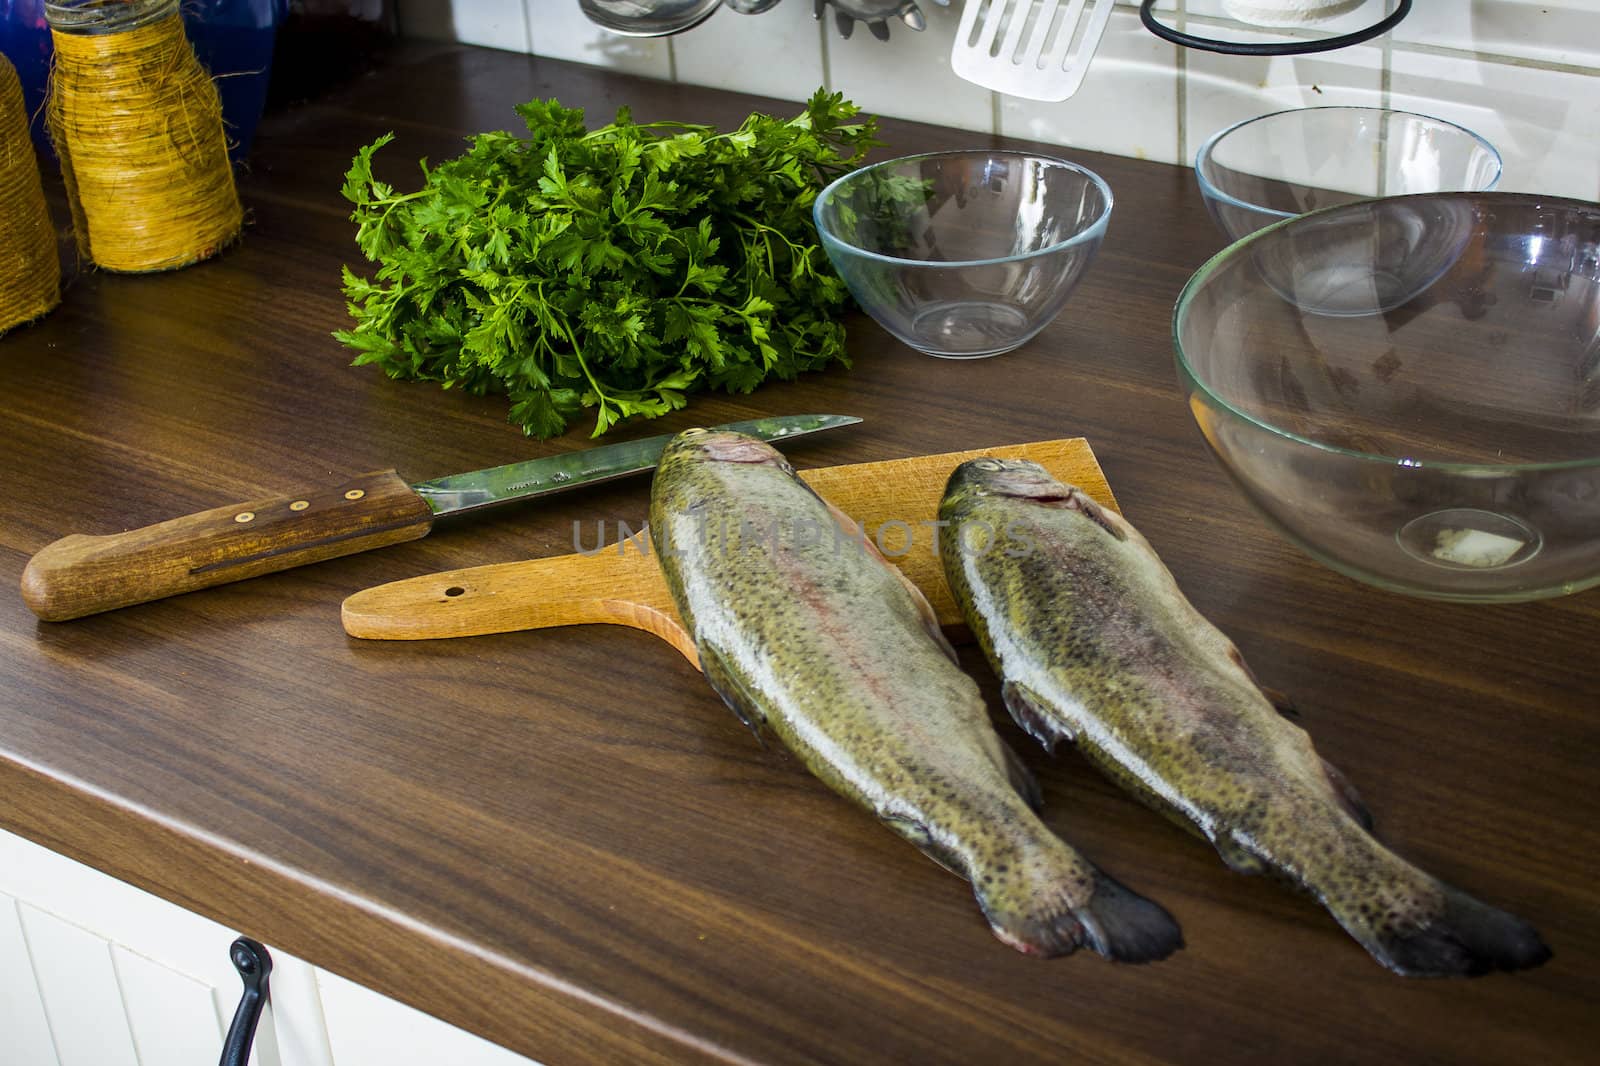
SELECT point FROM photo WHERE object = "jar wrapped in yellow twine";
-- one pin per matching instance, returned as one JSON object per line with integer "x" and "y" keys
{"x": 30, "y": 272}
{"x": 138, "y": 126}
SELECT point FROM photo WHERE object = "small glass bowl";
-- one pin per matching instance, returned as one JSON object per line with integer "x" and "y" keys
{"x": 1436, "y": 430}
{"x": 1267, "y": 169}
{"x": 964, "y": 254}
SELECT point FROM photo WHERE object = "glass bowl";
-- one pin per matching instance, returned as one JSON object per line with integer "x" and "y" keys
{"x": 963, "y": 254}
{"x": 1267, "y": 169}
{"x": 1409, "y": 388}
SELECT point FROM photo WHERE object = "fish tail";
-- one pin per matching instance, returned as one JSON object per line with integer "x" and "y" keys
{"x": 1061, "y": 903}
{"x": 1457, "y": 936}
{"x": 1415, "y": 924}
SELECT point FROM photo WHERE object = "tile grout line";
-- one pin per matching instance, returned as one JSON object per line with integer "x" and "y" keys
{"x": 827, "y": 63}
{"x": 1180, "y": 72}
{"x": 1385, "y": 96}
{"x": 1499, "y": 58}
{"x": 527, "y": 27}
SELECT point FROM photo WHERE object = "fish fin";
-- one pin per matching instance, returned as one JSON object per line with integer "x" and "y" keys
{"x": 1464, "y": 938}
{"x": 725, "y": 684}
{"x": 1346, "y": 794}
{"x": 925, "y": 612}
{"x": 1022, "y": 778}
{"x": 1239, "y": 860}
{"x": 1029, "y": 712}
{"x": 1055, "y": 919}
{"x": 1343, "y": 791}
{"x": 1125, "y": 926}
{"x": 918, "y": 834}
{"x": 1280, "y": 701}
{"x": 1076, "y": 499}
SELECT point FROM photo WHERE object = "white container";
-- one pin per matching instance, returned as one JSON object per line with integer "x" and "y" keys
{"x": 1288, "y": 12}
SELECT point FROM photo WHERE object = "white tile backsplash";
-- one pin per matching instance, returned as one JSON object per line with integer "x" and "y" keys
{"x": 1558, "y": 33}
{"x": 1524, "y": 74}
{"x": 560, "y": 30}
{"x": 491, "y": 23}
{"x": 908, "y": 76}
{"x": 1225, "y": 89}
{"x": 1128, "y": 103}
{"x": 774, "y": 54}
{"x": 1547, "y": 136}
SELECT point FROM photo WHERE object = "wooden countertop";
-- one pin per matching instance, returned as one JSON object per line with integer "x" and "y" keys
{"x": 563, "y": 841}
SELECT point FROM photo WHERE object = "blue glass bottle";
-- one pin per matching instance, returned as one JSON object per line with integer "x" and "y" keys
{"x": 232, "y": 38}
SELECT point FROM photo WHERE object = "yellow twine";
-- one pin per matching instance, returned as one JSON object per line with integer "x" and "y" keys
{"x": 138, "y": 126}
{"x": 30, "y": 272}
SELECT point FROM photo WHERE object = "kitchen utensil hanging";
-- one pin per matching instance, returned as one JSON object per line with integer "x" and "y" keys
{"x": 875, "y": 13}
{"x": 1292, "y": 47}
{"x": 1035, "y": 49}
{"x": 648, "y": 18}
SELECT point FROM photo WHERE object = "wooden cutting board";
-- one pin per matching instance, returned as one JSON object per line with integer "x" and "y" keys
{"x": 622, "y": 585}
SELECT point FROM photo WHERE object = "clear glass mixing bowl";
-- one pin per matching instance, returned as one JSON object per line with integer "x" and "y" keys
{"x": 1409, "y": 388}
{"x": 1267, "y": 169}
{"x": 964, "y": 254}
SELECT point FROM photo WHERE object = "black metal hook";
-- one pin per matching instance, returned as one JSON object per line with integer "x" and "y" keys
{"x": 1280, "y": 48}
{"x": 254, "y": 966}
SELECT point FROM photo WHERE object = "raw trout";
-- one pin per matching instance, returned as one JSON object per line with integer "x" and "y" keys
{"x": 806, "y": 630}
{"x": 1095, "y": 644}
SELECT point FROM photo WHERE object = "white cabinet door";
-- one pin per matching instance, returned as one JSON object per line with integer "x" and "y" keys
{"x": 95, "y": 972}
{"x": 367, "y": 1028}
{"x": 22, "y": 1020}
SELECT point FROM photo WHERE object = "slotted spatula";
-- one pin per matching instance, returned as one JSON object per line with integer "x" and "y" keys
{"x": 1035, "y": 49}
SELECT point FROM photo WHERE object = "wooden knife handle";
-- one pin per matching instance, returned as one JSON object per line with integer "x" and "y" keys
{"x": 80, "y": 575}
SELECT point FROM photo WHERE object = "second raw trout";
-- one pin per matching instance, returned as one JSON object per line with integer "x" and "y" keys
{"x": 1095, "y": 644}
{"x": 809, "y": 632}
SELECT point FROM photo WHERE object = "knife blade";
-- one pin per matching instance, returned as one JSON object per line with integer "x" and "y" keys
{"x": 80, "y": 575}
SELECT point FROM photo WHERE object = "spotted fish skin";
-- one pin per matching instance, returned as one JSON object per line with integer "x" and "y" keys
{"x": 808, "y": 632}
{"x": 1095, "y": 644}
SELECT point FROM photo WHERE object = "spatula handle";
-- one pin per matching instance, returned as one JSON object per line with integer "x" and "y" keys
{"x": 80, "y": 575}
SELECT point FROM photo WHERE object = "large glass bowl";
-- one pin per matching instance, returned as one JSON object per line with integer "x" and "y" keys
{"x": 1409, "y": 388}
{"x": 1267, "y": 169}
{"x": 963, "y": 254}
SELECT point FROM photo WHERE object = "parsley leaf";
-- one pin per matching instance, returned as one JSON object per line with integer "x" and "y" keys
{"x": 616, "y": 269}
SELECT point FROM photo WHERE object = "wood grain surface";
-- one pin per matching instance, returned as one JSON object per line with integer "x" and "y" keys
{"x": 562, "y": 840}
{"x": 617, "y": 582}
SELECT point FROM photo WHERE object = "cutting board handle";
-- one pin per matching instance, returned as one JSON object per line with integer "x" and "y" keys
{"x": 619, "y": 584}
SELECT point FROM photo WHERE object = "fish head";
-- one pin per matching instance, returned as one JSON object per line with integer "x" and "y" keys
{"x": 1017, "y": 478}
{"x": 1022, "y": 479}
{"x": 721, "y": 446}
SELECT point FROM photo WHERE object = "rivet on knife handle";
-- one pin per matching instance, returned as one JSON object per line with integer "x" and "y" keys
{"x": 80, "y": 575}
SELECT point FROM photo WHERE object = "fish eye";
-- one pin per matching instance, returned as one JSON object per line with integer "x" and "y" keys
{"x": 695, "y": 432}
{"x": 987, "y": 464}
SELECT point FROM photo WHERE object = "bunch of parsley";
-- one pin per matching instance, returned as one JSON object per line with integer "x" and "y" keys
{"x": 617, "y": 268}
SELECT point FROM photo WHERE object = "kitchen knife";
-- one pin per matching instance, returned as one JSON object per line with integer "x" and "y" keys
{"x": 80, "y": 575}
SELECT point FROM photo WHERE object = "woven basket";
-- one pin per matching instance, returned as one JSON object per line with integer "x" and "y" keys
{"x": 138, "y": 126}
{"x": 30, "y": 271}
